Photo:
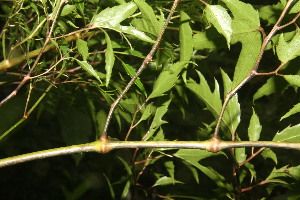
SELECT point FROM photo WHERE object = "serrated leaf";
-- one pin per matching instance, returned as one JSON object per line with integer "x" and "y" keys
{"x": 277, "y": 173}
{"x": 193, "y": 156}
{"x": 111, "y": 17}
{"x": 153, "y": 25}
{"x": 221, "y": 20}
{"x": 82, "y": 48}
{"x": 164, "y": 181}
{"x": 167, "y": 79}
{"x": 273, "y": 84}
{"x": 157, "y": 120}
{"x": 254, "y": 128}
{"x": 147, "y": 112}
{"x": 185, "y": 37}
{"x": 109, "y": 58}
{"x": 289, "y": 134}
{"x": 294, "y": 172}
{"x": 293, "y": 111}
{"x": 288, "y": 51}
{"x": 293, "y": 79}
{"x": 131, "y": 72}
{"x": 133, "y": 31}
{"x": 212, "y": 101}
{"x": 240, "y": 154}
{"x": 232, "y": 113}
{"x": 169, "y": 165}
{"x": 246, "y": 18}
{"x": 268, "y": 153}
{"x": 89, "y": 69}
{"x": 270, "y": 13}
{"x": 245, "y": 27}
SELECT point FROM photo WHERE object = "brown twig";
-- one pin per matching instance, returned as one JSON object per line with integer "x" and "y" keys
{"x": 253, "y": 72}
{"x": 146, "y": 61}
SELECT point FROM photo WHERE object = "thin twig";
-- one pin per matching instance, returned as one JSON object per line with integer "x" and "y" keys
{"x": 139, "y": 71}
{"x": 252, "y": 73}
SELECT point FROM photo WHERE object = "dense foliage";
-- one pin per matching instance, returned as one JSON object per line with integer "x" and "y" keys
{"x": 68, "y": 60}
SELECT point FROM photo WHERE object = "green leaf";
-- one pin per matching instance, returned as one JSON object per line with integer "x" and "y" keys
{"x": 111, "y": 189}
{"x": 133, "y": 31}
{"x": 167, "y": 79}
{"x": 251, "y": 44}
{"x": 185, "y": 37}
{"x": 278, "y": 173}
{"x": 209, "y": 39}
{"x": 288, "y": 51}
{"x": 153, "y": 25}
{"x": 126, "y": 190}
{"x": 270, "y": 13}
{"x": 268, "y": 153}
{"x": 213, "y": 102}
{"x": 293, "y": 111}
{"x": 254, "y": 128}
{"x": 157, "y": 120}
{"x": 273, "y": 84}
{"x": 146, "y": 112}
{"x": 232, "y": 113}
{"x": 246, "y": 18}
{"x": 295, "y": 8}
{"x": 82, "y": 48}
{"x": 293, "y": 79}
{"x": 90, "y": 70}
{"x": 109, "y": 58}
{"x": 289, "y": 134}
{"x": 294, "y": 172}
{"x": 164, "y": 181}
{"x": 245, "y": 27}
{"x": 67, "y": 9}
{"x": 169, "y": 165}
{"x": 131, "y": 72}
{"x": 218, "y": 16}
{"x": 111, "y": 17}
{"x": 193, "y": 156}
{"x": 240, "y": 154}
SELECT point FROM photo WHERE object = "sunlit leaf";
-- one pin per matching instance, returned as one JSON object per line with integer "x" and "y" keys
{"x": 90, "y": 70}
{"x": 185, "y": 37}
{"x": 293, "y": 79}
{"x": 232, "y": 113}
{"x": 154, "y": 26}
{"x": 147, "y": 112}
{"x": 293, "y": 111}
{"x": 111, "y": 17}
{"x": 295, "y": 8}
{"x": 218, "y": 16}
{"x": 246, "y": 21}
{"x": 254, "y": 128}
{"x": 165, "y": 181}
{"x": 166, "y": 79}
{"x": 289, "y": 134}
{"x": 133, "y": 31}
{"x": 82, "y": 48}
{"x": 288, "y": 51}
{"x": 109, "y": 58}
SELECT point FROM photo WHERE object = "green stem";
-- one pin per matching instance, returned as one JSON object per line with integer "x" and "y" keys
{"x": 104, "y": 146}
